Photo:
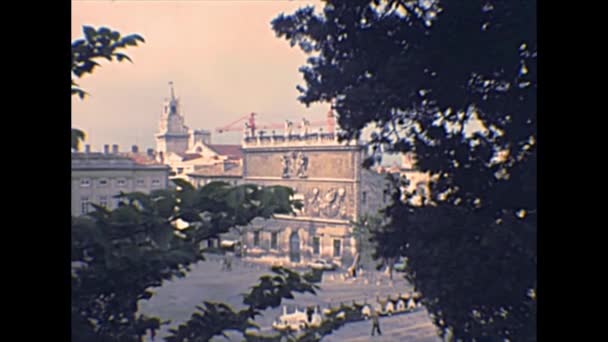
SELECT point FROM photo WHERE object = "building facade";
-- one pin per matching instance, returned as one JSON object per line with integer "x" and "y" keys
{"x": 98, "y": 177}
{"x": 231, "y": 173}
{"x": 188, "y": 151}
{"x": 328, "y": 178}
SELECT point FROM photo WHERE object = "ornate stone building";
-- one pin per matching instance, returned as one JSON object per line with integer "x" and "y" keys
{"x": 328, "y": 178}
{"x": 173, "y": 135}
{"x": 326, "y": 175}
{"x": 186, "y": 150}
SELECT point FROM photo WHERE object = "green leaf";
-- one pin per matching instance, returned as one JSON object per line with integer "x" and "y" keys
{"x": 77, "y": 137}
{"x": 104, "y": 31}
{"x": 81, "y": 93}
{"x": 132, "y": 39}
{"x": 89, "y": 33}
{"x": 121, "y": 56}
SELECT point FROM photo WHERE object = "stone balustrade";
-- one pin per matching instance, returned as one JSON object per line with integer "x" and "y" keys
{"x": 272, "y": 140}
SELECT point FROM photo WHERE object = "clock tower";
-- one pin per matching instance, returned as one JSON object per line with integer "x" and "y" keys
{"x": 172, "y": 134}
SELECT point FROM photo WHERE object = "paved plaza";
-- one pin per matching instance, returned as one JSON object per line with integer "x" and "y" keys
{"x": 177, "y": 300}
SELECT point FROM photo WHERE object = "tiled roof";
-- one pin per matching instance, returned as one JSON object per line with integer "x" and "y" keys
{"x": 142, "y": 159}
{"x": 103, "y": 161}
{"x": 218, "y": 170}
{"x": 189, "y": 156}
{"x": 233, "y": 151}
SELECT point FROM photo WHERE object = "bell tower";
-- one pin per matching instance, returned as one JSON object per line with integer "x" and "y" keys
{"x": 172, "y": 133}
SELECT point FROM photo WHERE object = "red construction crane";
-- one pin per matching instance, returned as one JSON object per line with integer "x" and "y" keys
{"x": 231, "y": 126}
{"x": 251, "y": 125}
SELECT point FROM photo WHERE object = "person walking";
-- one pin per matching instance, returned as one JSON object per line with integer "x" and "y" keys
{"x": 228, "y": 263}
{"x": 375, "y": 323}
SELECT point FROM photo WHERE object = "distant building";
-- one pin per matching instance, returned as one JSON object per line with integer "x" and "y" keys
{"x": 418, "y": 182}
{"x": 98, "y": 177}
{"x": 186, "y": 150}
{"x": 328, "y": 178}
{"x": 228, "y": 172}
{"x": 326, "y": 175}
{"x": 173, "y": 135}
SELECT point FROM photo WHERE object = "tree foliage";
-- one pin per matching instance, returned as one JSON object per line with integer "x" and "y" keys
{"x": 216, "y": 318}
{"x": 119, "y": 255}
{"x": 423, "y": 73}
{"x": 98, "y": 43}
{"x": 101, "y": 43}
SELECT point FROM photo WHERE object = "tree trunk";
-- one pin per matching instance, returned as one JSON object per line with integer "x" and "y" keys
{"x": 391, "y": 266}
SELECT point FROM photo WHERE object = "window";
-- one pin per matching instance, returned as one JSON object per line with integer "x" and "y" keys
{"x": 84, "y": 205}
{"x": 85, "y": 182}
{"x": 364, "y": 198}
{"x": 337, "y": 247}
{"x": 102, "y": 182}
{"x": 316, "y": 245}
{"x": 121, "y": 183}
{"x": 273, "y": 240}
{"x": 256, "y": 239}
{"x": 156, "y": 182}
{"x": 103, "y": 201}
{"x": 141, "y": 182}
{"x": 180, "y": 170}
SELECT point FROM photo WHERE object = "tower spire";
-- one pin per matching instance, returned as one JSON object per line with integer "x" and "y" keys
{"x": 172, "y": 91}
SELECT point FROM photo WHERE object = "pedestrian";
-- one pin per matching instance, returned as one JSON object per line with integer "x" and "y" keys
{"x": 228, "y": 263}
{"x": 309, "y": 312}
{"x": 375, "y": 323}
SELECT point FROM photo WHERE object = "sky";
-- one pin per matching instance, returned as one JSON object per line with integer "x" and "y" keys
{"x": 222, "y": 55}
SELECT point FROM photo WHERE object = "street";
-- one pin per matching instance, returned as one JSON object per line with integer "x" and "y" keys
{"x": 176, "y": 300}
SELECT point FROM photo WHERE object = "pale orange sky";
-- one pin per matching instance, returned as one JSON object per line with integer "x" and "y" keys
{"x": 222, "y": 56}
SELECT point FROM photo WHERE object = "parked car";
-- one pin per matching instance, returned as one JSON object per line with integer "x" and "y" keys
{"x": 321, "y": 264}
{"x": 401, "y": 264}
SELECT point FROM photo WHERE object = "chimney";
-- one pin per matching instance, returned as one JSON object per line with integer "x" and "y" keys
{"x": 134, "y": 149}
{"x": 150, "y": 152}
{"x": 87, "y": 148}
{"x": 106, "y": 149}
{"x": 115, "y": 149}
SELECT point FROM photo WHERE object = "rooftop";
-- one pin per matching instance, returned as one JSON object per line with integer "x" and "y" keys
{"x": 218, "y": 170}
{"x": 109, "y": 161}
{"x": 189, "y": 156}
{"x": 233, "y": 151}
{"x": 291, "y": 140}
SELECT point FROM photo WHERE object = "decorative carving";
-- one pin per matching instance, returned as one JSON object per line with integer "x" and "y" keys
{"x": 305, "y": 127}
{"x": 296, "y": 165}
{"x": 286, "y": 162}
{"x": 301, "y": 165}
{"x": 330, "y": 205}
{"x": 288, "y": 128}
{"x": 334, "y": 201}
{"x": 312, "y": 203}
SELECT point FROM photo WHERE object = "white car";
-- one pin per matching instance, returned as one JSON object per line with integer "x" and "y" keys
{"x": 400, "y": 265}
{"x": 321, "y": 264}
